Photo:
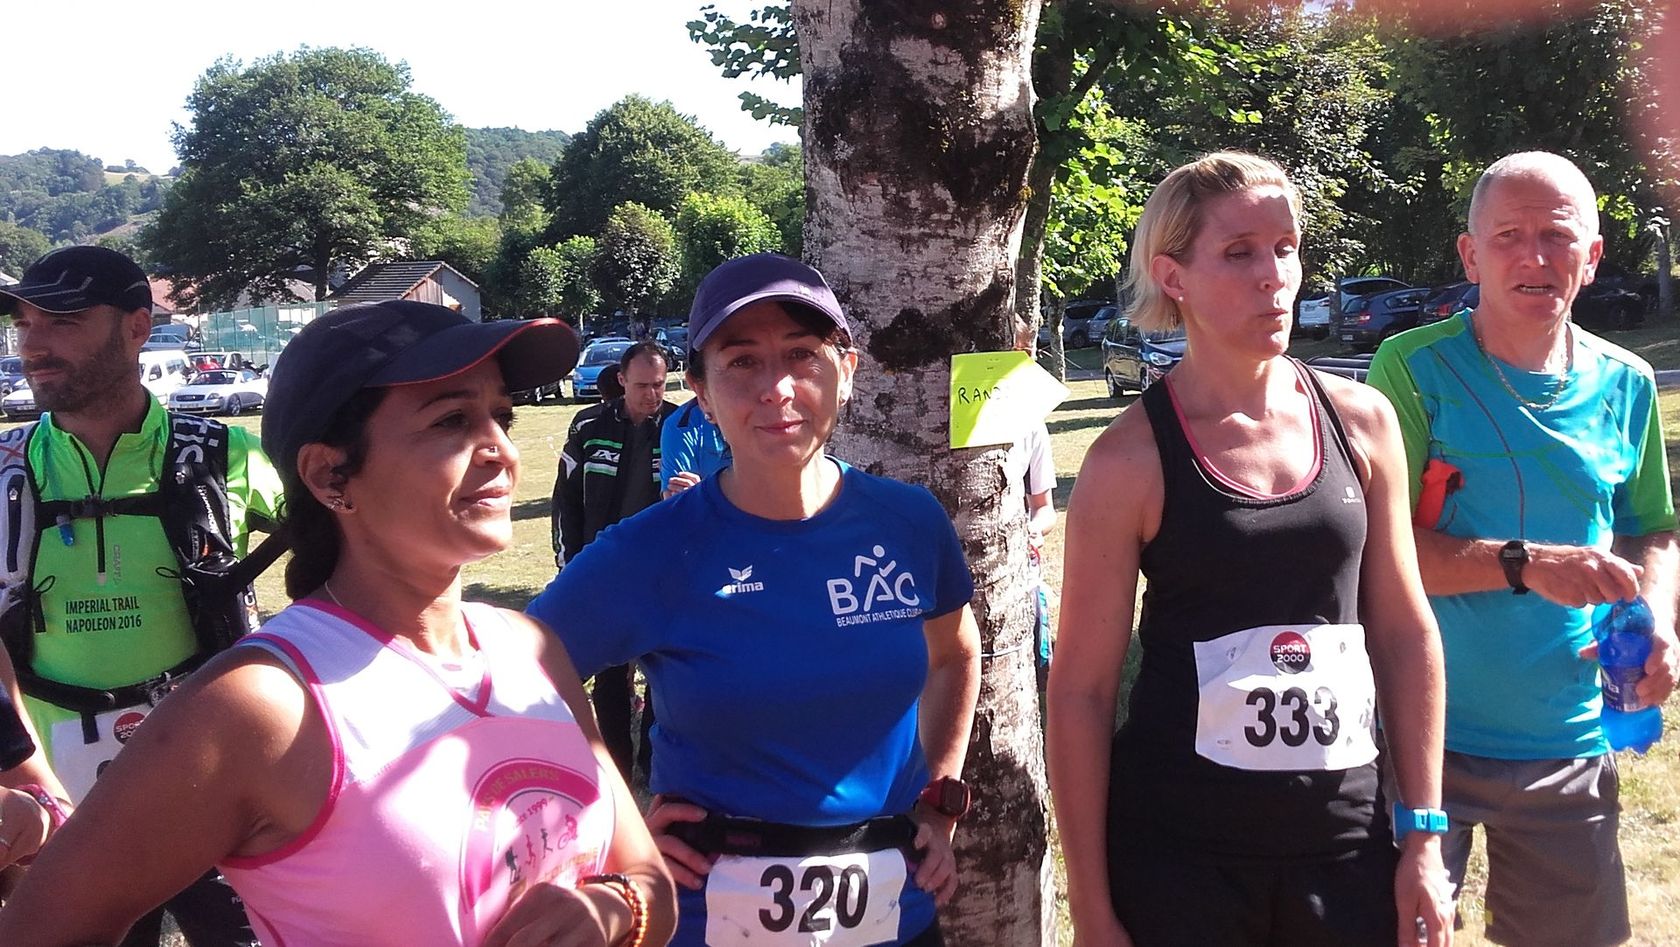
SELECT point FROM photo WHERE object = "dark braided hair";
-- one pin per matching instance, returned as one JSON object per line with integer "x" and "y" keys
{"x": 311, "y": 529}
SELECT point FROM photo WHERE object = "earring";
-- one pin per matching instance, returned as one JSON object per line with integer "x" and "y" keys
{"x": 340, "y": 504}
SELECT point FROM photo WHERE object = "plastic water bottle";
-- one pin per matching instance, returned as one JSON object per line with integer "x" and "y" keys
{"x": 1623, "y": 631}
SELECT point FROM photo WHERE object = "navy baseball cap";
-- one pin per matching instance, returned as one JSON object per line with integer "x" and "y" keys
{"x": 738, "y": 283}
{"x": 400, "y": 342}
{"x": 78, "y": 278}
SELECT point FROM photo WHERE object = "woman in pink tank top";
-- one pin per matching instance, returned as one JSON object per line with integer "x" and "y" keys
{"x": 382, "y": 763}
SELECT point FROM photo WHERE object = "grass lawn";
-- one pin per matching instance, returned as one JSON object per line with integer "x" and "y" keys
{"x": 1650, "y": 785}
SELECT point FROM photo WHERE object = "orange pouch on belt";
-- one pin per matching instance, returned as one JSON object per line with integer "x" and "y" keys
{"x": 1440, "y": 479}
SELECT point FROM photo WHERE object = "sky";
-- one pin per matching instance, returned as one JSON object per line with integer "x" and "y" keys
{"x": 533, "y": 65}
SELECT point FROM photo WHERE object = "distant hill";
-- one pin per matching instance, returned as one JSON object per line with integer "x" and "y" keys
{"x": 491, "y": 151}
{"x": 68, "y": 197}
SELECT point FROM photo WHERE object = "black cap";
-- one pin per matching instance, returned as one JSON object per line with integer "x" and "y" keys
{"x": 375, "y": 345}
{"x": 78, "y": 278}
{"x": 738, "y": 283}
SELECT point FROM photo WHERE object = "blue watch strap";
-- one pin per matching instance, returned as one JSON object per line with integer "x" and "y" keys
{"x": 1407, "y": 821}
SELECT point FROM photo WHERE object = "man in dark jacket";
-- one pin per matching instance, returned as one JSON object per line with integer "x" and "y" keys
{"x": 610, "y": 471}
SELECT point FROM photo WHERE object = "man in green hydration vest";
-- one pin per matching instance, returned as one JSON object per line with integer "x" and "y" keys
{"x": 101, "y": 619}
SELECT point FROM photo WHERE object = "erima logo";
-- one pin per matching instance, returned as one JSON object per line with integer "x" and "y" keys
{"x": 886, "y": 596}
{"x": 1353, "y": 496}
{"x": 741, "y": 583}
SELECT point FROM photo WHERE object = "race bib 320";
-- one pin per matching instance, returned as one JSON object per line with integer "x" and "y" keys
{"x": 849, "y": 900}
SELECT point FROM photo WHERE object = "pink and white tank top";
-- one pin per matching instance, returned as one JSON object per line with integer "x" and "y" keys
{"x": 454, "y": 789}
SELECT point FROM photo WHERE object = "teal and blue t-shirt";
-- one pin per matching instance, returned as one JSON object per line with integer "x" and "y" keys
{"x": 786, "y": 658}
{"x": 1587, "y": 469}
{"x": 689, "y": 442}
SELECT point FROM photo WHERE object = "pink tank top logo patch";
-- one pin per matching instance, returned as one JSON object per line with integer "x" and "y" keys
{"x": 525, "y": 831}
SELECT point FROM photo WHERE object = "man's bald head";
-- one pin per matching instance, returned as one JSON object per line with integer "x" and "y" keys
{"x": 1538, "y": 166}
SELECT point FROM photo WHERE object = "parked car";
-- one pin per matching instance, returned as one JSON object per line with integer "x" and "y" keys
{"x": 1312, "y": 316}
{"x": 163, "y": 372}
{"x": 19, "y": 403}
{"x": 676, "y": 347}
{"x": 218, "y": 361}
{"x": 175, "y": 335}
{"x": 598, "y": 355}
{"x": 1133, "y": 360}
{"x": 223, "y": 391}
{"x": 1077, "y": 331}
{"x": 1350, "y": 288}
{"x": 1450, "y": 300}
{"x": 1355, "y": 367}
{"x": 1370, "y": 319}
{"x": 11, "y": 374}
{"x": 1609, "y": 302}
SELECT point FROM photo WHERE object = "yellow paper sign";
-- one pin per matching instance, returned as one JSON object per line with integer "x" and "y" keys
{"x": 997, "y": 396}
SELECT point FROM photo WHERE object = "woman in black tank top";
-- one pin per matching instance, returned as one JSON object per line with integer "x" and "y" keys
{"x": 1267, "y": 509}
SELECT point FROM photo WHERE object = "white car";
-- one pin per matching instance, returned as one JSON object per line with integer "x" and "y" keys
{"x": 20, "y": 402}
{"x": 221, "y": 392}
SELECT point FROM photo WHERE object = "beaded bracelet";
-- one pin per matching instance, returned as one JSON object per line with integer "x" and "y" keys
{"x": 627, "y": 890}
{"x": 56, "y": 816}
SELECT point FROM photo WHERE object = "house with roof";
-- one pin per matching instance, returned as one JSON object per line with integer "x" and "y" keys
{"x": 7, "y": 279}
{"x": 427, "y": 281}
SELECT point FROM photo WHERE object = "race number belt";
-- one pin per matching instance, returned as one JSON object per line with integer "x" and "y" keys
{"x": 1286, "y": 697}
{"x": 776, "y": 885}
{"x": 85, "y": 744}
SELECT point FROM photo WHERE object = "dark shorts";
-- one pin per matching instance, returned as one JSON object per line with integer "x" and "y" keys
{"x": 1165, "y": 900}
{"x": 208, "y": 913}
{"x": 1554, "y": 867}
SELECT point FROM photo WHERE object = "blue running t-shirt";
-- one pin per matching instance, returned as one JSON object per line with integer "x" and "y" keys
{"x": 786, "y": 658}
{"x": 1580, "y": 472}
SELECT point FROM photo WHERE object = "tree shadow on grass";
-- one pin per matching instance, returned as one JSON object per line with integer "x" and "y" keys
{"x": 1066, "y": 425}
{"x": 1092, "y": 404}
{"x": 533, "y": 509}
{"x": 515, "y": 597}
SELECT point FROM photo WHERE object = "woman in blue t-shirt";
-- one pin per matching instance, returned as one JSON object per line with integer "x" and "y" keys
{"x": 806, "y": 629}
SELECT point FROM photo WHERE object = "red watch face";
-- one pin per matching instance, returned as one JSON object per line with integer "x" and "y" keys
{"x": 948, "y": 797}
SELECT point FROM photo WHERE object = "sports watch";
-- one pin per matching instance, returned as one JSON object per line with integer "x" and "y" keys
{"x": 1407, "y": 821}
{"x": 1512, "y": 557}
{"x": 947, "y": 796}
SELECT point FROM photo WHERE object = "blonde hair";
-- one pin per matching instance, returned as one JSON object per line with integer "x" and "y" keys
{"x": 1172, "y": 218}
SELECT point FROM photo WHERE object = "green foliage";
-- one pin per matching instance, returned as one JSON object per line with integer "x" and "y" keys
{"x": 711, "y": 229}
{"x": 469, "y": 244}
{"x": 635, "y": 262}
{"x": 523, "y": 189}
{"x": 62, "y": 195}
{"x": 19, "y": 247}
{"x": 763, "y": 46}
{"x": 492, "y": 154}
{"x": 636, "y": 151}
{"x": 1095, "y": 201}
{"x": 314, "y": 159}
{"x": 1556, "y": 82}
{"x": 555, "y": 280}
{"x": 775, "y": 184}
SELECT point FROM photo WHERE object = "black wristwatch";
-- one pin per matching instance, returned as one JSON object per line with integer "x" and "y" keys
{"x": 1512, "y": 557}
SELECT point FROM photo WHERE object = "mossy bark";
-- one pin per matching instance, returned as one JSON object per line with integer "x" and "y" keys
{"x": 919, "y": 135}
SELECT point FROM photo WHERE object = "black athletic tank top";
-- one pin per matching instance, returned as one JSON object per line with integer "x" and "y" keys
{"x": 1225, "y": 561}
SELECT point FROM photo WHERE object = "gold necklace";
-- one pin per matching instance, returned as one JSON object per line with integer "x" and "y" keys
{"x": 1560, "y": 382}
{"x": 327, "y": 587}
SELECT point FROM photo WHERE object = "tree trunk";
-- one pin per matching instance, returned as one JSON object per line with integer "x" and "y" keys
{"x": 919, "y": 135}
{"x": 1665, "y": 272}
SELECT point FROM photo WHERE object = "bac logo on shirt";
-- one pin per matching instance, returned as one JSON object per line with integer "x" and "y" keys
{"x": 740, "y": 583}
{"x": 887, "y": 594}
